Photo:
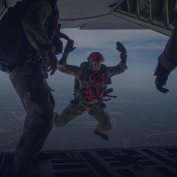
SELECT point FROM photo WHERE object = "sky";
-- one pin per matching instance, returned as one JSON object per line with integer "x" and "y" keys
{"x": 143, "y": 48}
{"x": 138, "y": 106}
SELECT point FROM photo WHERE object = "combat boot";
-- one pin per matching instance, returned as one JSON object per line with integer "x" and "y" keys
{"x": 102, "y": 135}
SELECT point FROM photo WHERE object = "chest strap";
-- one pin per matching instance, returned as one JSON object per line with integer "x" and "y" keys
{"x": 86, "y": 83}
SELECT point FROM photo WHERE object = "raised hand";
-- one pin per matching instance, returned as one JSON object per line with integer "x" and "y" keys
{"x": 120, "y": 47}
{"x": 69, "y": 47}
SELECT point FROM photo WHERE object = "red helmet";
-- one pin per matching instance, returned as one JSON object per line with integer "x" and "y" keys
{"x": 95, "y": 57}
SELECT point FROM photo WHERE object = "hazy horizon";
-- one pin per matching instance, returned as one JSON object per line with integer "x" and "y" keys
{"x": 141, "y": 116}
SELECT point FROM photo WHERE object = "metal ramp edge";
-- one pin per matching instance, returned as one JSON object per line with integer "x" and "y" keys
{"x": 117, "y": 162}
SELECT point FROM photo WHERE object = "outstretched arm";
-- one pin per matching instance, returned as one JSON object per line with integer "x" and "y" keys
{"x": 36, "y": 24}
{"x": 69, "y": 69}
{"x": 69, "y": 48}
{"x": 167, "y": 62}
{"x": 121, "y": 67}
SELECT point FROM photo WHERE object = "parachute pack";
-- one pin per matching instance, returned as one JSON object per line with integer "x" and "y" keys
{"x": 12, "y": 36}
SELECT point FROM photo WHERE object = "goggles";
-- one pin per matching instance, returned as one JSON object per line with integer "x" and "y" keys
{"x": 96, "y": 63}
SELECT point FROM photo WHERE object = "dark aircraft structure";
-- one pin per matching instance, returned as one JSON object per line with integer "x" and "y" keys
{"x": 157, "y": 15}
{"x": 125, "y": 162}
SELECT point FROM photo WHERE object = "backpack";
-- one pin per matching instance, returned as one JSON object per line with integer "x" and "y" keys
{"x": 12, "y": 36}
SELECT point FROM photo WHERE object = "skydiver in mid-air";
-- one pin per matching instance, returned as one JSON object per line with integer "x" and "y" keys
{"x": 92, "y": 78}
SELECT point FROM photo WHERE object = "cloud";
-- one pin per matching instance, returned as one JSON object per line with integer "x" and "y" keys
{"x": 145, "y": 46}
{"x": 108, "y": 38}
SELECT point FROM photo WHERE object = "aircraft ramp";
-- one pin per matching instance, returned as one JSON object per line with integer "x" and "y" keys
{"x": 123, "y": 162}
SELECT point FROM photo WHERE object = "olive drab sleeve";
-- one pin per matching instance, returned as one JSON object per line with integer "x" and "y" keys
{"x": 70, "y": 69}
{"x": 114, "y": 70}
{"x": 168, "y": 57}
{"x": 36, "y": 24}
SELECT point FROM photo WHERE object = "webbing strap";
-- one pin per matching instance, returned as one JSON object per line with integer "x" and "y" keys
{"x": 86, "y": 83}
{"x": 111, "y": 96}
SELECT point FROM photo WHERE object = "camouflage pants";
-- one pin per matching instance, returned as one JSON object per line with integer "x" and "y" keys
{"x": 168, "y": 56}
{"x": 74, "y": 110}
{"x": 30, "y": 84}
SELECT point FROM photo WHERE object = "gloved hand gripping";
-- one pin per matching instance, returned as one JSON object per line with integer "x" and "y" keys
{"x": 161, "y": 79}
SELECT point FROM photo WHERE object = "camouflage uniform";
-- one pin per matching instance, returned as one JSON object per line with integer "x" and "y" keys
{"x": 30, "y": 83}
{"x": 75, "y": 108}
{"x": 168, "y": 57}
